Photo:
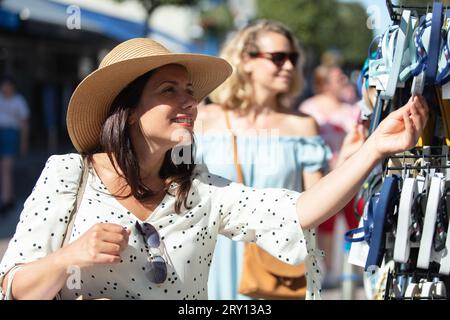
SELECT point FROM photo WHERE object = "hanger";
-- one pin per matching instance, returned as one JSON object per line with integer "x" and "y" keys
{"x": 445, "y": 260}
{"x": 440, "y": 292}
{"x": 422, "y": 36}
{"x": 403, "y": 33}
{"x": 440, "y": 232}
{"x": 402, "y": 241}
{"x": 387, "y": 200}
{"x": 426, "y": 242}
{"x": 426, "y": 163}
{"x": 427, "y": 289}
{"x": 417, "y": 213}
{"x": 435, "y": 44}
{"x": 412, "y": 289}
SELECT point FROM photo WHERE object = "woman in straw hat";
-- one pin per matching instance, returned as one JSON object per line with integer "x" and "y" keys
{"x": 146, "y": 224}
{"x": 276, "y": 147}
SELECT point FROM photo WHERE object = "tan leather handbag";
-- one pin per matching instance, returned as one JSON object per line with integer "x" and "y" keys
{"x": 264, "y": 276}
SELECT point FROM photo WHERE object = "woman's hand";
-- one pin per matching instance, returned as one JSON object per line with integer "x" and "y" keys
{"x": 401, "y": 129}
{"x": 398, "y": 132}
{"x": 101, "y": 244}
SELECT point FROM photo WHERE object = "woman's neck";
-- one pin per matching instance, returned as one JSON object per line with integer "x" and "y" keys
{"x": 264, "y": 99}
{"x": 150, "y": 158}
{"x": 264, "y": 103}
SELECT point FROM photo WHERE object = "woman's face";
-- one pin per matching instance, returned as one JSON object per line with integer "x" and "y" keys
{"x": 265, "y": 73}
{"x": 336, "y": 82}
{"x": 167, "y": 109}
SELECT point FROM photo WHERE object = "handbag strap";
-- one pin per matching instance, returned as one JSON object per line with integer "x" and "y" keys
{"x": 237, "y": 165}
{"x": 77, "y": 203}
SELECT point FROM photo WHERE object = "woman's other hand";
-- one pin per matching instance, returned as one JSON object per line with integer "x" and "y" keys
{"x": 401, "y": 129}
{"x": 101, "y": 244}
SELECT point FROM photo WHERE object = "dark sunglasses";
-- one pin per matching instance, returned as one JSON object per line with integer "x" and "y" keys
{"x": 278, "y": 58}
{"x": 157, "y": 272}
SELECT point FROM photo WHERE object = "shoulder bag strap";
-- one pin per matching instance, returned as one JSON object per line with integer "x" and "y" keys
{"x": 77, "y": 203}
{"x": 237, "y": 165}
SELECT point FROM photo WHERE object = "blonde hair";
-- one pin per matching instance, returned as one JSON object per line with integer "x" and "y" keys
{"x": 236, "y": 92}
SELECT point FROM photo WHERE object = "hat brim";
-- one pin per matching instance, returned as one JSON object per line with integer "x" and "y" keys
{"x": 90, "y": 103}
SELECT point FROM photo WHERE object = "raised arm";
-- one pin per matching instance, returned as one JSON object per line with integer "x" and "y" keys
{"x": 398, "y": 132}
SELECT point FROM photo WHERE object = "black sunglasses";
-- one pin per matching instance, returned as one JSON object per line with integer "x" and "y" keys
{"x": 278, "y": 58}
{"x": 157, "y": 272}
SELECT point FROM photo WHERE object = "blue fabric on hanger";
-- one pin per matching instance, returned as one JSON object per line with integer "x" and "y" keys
{"x": 435, "y": 44}
{"x": 421, "y": 51}
{"x": 388, "y": 194}
{"x": 442, "y": 77}
{"x": 368, "y": 224}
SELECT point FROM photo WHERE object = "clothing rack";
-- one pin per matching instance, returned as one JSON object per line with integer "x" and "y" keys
{"x": 409, "y": 277}
{"x": 395, "y": 9}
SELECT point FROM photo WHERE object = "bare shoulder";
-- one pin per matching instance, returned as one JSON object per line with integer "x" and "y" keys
{"x": 209, "y": 117}
{"x": 299, "y": 124}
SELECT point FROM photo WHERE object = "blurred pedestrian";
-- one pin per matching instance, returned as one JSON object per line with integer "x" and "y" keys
{"x": 336, "y": 119}
{"x": 14, "y": 115}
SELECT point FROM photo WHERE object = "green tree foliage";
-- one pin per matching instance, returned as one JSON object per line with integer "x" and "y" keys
{"x": 216, "y": 21}
{"x": 151, "y": 5}
{"x": 321, "y": 25}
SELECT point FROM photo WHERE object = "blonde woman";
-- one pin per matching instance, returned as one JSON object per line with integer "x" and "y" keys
{"x": 276, "y": 146}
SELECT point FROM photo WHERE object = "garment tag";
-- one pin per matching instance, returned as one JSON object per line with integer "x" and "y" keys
{"x": 359, "y": 251}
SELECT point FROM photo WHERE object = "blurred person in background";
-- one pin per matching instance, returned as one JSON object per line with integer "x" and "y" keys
{"x": 337, "y": 120}
{"x": 256, "y": 99}
{"x": 14, "y": 115}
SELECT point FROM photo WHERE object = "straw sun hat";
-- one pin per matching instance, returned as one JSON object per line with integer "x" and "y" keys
{"x": 91, "y": 100}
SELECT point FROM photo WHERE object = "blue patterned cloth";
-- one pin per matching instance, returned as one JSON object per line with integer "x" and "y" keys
{"x": 268, "y": 161}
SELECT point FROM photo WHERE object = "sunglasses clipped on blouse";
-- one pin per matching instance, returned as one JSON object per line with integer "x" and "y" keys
{"x": 157, "y": 268}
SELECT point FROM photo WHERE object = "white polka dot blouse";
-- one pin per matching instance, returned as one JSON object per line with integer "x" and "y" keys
{"x": 216, "y": 206}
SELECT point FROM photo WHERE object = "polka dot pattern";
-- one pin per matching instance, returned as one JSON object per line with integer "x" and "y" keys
{"x": 216, "y": 206}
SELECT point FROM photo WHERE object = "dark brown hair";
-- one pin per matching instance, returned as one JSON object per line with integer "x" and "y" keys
{"x": 115, "y": 141}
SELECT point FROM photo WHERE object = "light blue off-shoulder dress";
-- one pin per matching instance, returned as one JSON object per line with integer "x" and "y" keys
{"x": 268, "y": 161}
